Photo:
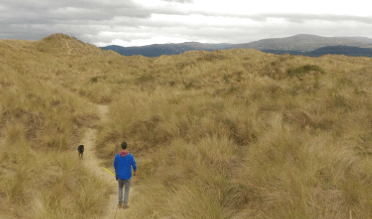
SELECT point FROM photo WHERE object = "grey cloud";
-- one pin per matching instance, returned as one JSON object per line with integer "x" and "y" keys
{"x": 72, "y": 10}
{"x": 180, "y": 1}
{"x": 300, "y": 18}
{"x": 84, "y": 19}
{"x": 229, "y": 34}
{"x": 297, "y": 18}
{"x": 35, "y": 5}
{"x": 35, "y": 19}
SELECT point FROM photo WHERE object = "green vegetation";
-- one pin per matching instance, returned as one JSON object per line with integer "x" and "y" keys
{"x": 223, "y": 134}
{"x": 302, "y": 70}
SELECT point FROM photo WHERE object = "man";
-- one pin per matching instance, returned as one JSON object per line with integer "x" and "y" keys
{"x": 124, "y": 161}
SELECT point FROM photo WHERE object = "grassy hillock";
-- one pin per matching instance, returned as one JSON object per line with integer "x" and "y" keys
{"x": 240, "y": 133}
{"x": 223, "y": 134}
{"x": 41, "y": 124}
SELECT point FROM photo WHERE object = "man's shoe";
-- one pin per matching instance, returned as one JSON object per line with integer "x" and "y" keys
{"x": 120, "y": 205}
{"x": 125, "y": 206}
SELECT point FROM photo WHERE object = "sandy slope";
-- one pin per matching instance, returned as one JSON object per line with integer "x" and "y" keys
{"x": 92, "y": 163}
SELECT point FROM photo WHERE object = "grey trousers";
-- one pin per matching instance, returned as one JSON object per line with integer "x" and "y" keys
{"x": 123, "y": 183}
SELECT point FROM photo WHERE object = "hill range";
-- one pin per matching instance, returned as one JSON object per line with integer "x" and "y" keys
{"x": 302, "y": 44}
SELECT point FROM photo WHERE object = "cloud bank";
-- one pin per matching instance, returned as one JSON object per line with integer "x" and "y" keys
{"x": 137, "y": 23}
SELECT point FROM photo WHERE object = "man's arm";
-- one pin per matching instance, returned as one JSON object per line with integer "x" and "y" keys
{"x": 134, "y": 167}
{"x": 115, "y": 164}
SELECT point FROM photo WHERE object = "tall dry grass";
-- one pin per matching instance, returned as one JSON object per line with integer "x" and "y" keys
{"x": 239, "y": 133}
{"x": 222, "y": 134}
{"x": 41, "y": 124}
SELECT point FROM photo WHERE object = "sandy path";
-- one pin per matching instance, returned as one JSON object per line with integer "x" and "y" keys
{"x": 69, "y": 49}
{"x": 91, "y": 162}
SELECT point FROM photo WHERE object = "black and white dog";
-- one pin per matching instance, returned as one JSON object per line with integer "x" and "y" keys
{"x": 80, "y": 151}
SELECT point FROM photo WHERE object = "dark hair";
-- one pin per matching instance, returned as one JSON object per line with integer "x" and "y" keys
{"x": 124, "y": 145}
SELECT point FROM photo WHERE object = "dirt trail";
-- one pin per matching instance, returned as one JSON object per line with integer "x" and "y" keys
{"x": 69, "y": 49}
{"x": 91, "y": 162}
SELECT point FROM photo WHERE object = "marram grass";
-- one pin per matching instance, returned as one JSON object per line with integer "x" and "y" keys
{"x": 222, "y": 134}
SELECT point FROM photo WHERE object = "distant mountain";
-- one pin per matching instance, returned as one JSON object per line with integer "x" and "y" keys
{"x": 360, "y": 39}
{"x": 296, "y": 45}
{"x": 341, "y": 50}
{"x": 166, "y": 49}
{"x": 331, "y": 50}
{"x": 305, "y": 42}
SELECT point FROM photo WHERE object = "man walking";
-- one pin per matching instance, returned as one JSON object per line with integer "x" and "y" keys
{"x": 124, "y": 161}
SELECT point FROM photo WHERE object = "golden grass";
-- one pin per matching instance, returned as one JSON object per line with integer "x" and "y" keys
{"x": 40, "y": 126}
{"x": 236, "y": 131}
{"x": 222, "y": 134}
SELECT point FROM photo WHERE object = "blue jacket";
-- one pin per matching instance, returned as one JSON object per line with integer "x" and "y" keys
{"x": 123, "y": 163}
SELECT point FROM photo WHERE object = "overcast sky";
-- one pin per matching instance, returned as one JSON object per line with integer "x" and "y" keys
{"x": 144, "y": 22}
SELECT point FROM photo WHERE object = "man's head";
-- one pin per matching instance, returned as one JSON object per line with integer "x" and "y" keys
{"x": 124, "y": 145}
